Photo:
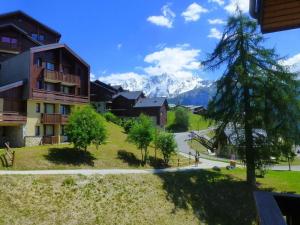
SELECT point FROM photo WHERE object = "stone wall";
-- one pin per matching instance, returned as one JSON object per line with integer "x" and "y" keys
{"x": 32, "y": 141}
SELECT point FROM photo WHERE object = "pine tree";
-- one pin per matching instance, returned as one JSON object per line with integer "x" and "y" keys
{"x": 256, "y": 95}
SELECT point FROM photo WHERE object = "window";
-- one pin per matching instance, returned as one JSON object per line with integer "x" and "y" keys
{"x": 38, "y": 107}
{"x": 34, "y": 36}
{"x": 50, "y": 66}
{"x": 39, "y": 84}
{"x": 65, "y": 89}
{"x": 49, "y": 108}
{"x": 41, "y": 37}
{"x": 65, "y": 109}
{"x": 49, "y": 86}
{"x": 49, "y": 130}
{"x": 37, "y": 131}
{"x": 39, "y": 62}
{"x": 13, "y": 42}
{"x": 62, "y": 130}
{"x": 38, "y": 37}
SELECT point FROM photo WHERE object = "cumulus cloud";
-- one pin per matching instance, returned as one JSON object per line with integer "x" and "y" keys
{"x": 92, "y": 76}
{"x": 293, "y": 62}
{"x": 215, "y": 33}
{"x": 164, "y": 20}
{"x": 193, "y": 12}
{"x": 219, "y": 2}
{"x": 178, "y": 61}
{"x": 232, "y": 5}
{"x": 216, "y": 21}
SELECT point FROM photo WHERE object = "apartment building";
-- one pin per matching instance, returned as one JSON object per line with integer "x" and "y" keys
{"x": 41, "y": 80}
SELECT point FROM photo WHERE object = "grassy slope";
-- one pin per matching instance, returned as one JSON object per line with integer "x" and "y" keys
{"x": 116, "y": 153}
{"x": 203, "y": 197}
{"x": 197, "y": 122}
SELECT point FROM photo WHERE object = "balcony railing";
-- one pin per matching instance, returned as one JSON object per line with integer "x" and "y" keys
{"x": 12, "y": 117}
{"x": 54, "y": 118}
{"x": 58, "y": 96}
{"x": 9, "y": 46}
{"x": 51, "y": 140}
{"x": 56, "y": 76}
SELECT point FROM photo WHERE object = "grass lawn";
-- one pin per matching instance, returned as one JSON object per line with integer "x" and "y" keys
{"x": 116, "y": 153}
{"x": 197, "y": 122}
{"x": 200, "y": 197}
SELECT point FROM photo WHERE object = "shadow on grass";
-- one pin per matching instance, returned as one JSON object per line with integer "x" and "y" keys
{"x": 70, "y": 156}
{"x": 215, "y": 199}
{"x": 132, "y": 160}
{"x": 129, "y": 158}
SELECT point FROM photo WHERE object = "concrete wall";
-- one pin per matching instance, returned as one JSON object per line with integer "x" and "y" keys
{"x": 12, "y": 134}
{"x": 1, "y": 104}
{"x": 33, "y": 118}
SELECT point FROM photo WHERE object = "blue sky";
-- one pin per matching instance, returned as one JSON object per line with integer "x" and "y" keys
{"x": 144, "y": 36}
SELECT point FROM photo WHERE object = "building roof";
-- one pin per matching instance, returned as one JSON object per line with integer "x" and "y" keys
{"x": 58, "y": 45}
{"x": 129, "y": 94}
{"x": 11, "y": 85}
{"x": 11, "y": 25}
{"x": 117, "y": 87}
{"x": 105, "y": 86}
{"x": 150, "y": 102}
{"x": 19, "y": 12}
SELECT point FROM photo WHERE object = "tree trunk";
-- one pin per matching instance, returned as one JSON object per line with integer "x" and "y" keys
{"x": 250, "y": 154}
{"x": 146, "y": 155}
{"x": 289, "y": 162}
{"x": 142, "y": 155}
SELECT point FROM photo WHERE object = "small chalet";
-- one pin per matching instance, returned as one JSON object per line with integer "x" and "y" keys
{"x": 129, "y": 104}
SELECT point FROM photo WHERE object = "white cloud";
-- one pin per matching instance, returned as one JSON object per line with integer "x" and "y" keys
{"x": 119, "y": 46}
{"x": 164, "y": 20}
{"x": 92, "y": 76}
{"x": 193, "y": 12}
{"x": 232, "y": 6}
{"x": 216, "y": 21}
{"x": 219, "y": 2}
{"x": 293, "y": 62}
{"x": 215, "y": 33}
{"x": 178, "y": 61}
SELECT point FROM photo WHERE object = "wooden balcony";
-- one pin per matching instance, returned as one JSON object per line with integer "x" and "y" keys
{"x": 51, "y": 140}
{"x": 55, "y": 76}
{"x": 12, "y": 118}
{"x": 9, "y": 47}
{"x": 54, "y": 96}
{"x": 55, "y": 118}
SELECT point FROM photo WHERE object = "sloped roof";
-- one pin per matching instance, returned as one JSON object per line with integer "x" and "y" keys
{"x": 150, "y": 102}
{"x": 58, "y": 45}
{"x": 106, "y": 86}
{"x": 21, "y": 31}
{"x": 19, "y": 12}
{"x": 12, "y": 85}
{"x": 129, "y": 94}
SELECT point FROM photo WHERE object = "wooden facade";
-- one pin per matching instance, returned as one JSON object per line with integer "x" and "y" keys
{"x": 276, "y": 15}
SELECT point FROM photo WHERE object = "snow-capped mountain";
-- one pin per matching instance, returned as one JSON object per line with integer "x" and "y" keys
{"x": 160, "y": 85}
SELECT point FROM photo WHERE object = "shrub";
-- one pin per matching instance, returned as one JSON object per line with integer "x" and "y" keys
{"x": 110, "y": 117}
{"x": 85, "y": 126}
{"x": 127, "y": 124}
{"x": 167, "y": 145}
{"x": 141, "y": 134}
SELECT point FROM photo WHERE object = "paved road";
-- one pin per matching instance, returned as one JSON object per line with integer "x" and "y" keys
{"x": 185, "y": 149}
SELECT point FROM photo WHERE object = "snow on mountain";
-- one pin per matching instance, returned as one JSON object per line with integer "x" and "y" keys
{"x": 156, "y": 85}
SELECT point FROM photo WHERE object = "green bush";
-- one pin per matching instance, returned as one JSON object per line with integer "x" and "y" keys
{"x": 167, "y": 145}
{"x": 127, "y": 124}
{"x": 85, "y": 126}
{"x": 110, "y": 117}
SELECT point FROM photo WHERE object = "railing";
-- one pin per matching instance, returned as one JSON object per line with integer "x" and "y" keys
{"x": 61, "y": 77}
{"x": 58, "y": 96}
{"x": 203, "y": 141}
{"x": 277, "y": 209}
{"x": 9, "y": 46}
{"x": 54, "y": 118}
{"x": 12, "y": 117}
{"x": 50, "y": 140}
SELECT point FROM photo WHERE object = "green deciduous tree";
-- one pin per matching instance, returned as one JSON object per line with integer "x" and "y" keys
{"x": 141, "y": 134}
{"x": 181, "y": 121}
{"x": 167, "y": 145}
{"x": 256, "y": 95}
{"x": 85, "y": 126}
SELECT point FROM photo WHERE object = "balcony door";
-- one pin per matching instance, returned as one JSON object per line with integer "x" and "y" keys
{"x": 49, "y": 130}
{"x": 49, "y": 108}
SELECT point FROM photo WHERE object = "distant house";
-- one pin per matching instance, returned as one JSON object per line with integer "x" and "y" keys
{"x": 127, "y": 104}
{"x": 101, "y": 95}
{"x": 200, "y": 110}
